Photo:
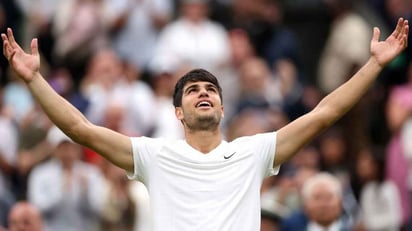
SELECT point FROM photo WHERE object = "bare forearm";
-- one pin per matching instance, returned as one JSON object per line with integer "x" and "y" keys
{"x": 328, "y": 111}
{"x": 341, "y": 100}
{"x": 338, "y": 102}
{"x": 113, "y": 146}
{"x": 60, "y": 112}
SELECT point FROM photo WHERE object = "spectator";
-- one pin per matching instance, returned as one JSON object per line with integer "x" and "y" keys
{"x": 343, "y": 54}
{"x": 335, "y": 159}
{"x": 241, "y": 50}
{"x": 379, "y": 199}
{"x": 194, "y": 39}
{"x": 119, "y": 209}
{"x": 68, "y": 192}
{"x": 322, "y": 201}
{"x": 79, "y": 30}
{"x": 137, "y": 24}
{"x": 16, "y": 99}
{"x": 322, "y": 196}
{"x": 398, "y": 168}
{"x": 258, "y": 87}
{"x": 8, "y": 159}
{"x": 106, "y": 82}
{"x": 24, "y": 216}
{"x": 163, "y": 80}
{"x": 62, "y": 81}
{"x": 39, "y": 16}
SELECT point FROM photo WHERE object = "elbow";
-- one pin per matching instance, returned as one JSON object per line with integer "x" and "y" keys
{"x": 325, "y": 117}
{"x": 80, "y": 132}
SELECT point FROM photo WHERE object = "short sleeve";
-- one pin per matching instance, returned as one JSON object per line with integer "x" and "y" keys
{"x": 263, "y": 146}
{"x": 266, "y": 147}
{"x": 144, "y": 149}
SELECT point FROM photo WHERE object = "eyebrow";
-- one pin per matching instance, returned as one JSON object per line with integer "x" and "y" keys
{"x": 197, "y": 85}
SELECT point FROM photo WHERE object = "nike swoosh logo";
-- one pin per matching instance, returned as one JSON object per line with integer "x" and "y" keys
{"x": 227, "y": 157}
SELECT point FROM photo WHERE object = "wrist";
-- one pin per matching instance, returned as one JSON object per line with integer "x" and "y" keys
{"x": 373, "y": 62}
{"x": 35, "y": 76}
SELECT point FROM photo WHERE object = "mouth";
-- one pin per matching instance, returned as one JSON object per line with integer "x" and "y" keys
{"x": 204, "y": 104}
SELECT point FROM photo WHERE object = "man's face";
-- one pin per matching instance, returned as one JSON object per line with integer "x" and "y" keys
{"x": 323, "y": 205}
{"x": 195, "y": 11}
{"x": 24, "y": 218}
{"x": 201, "y": 106}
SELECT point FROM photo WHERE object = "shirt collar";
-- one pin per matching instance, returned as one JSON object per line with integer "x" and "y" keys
{"x": 335, "y": 226}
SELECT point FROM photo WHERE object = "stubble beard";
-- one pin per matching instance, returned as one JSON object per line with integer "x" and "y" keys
{"x": 203, "y": 123}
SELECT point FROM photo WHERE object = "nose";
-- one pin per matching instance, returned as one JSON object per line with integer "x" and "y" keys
{"x": 203, "y": 92}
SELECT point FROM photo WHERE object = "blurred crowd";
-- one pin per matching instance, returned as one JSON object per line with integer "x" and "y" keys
{"x": 117, "y": 62}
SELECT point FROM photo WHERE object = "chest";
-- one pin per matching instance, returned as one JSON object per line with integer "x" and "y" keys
{"x": 214, "y": 175}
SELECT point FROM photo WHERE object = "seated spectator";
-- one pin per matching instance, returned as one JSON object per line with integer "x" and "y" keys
{"x": 194, "y": 39}
{"x": 322, "y": 206}
{"x": 24, "y": 216}
{"x": 379, "y": 197}
{"x": 68, "y": 192}
{"x": 8, "y": 159}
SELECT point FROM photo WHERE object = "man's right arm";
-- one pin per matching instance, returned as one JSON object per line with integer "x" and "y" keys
{"x": 113, "y": 146}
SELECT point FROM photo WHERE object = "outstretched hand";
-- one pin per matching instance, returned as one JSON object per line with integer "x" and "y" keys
{"x": 24, "y": 64}
{"x": 386, "y": 51}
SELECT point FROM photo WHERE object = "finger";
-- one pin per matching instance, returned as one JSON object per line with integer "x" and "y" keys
{"x": 404, "y": 41}
{"x": 405, "y": 35}
{"x": 376, "y": 34}
{"x": 3, "y": 37}
{"x": 5, "y": 41}
{"x": 10, "y": 36}
{"x": 34, "y": 47}
{"x": 12, "y": 40}
{"x": 6, "y": 47}
{"x": 405, "y": 29}
{"x": 398, "y": 28}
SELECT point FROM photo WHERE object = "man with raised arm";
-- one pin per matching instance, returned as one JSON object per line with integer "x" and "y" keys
{"x": 203, "y": 182}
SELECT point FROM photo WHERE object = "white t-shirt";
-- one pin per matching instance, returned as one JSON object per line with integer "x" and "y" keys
{"x": 190, "y": 190}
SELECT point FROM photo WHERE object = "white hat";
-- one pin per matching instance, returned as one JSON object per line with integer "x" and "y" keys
{"x": 55, "y": 136}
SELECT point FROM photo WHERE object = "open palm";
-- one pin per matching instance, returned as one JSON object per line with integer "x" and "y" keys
{"x": 386, "y": 51}
{"x": 24, "y": 64}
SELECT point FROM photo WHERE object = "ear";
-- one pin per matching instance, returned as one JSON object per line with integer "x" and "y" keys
{"x": 179, "y": 113}
{"x": 223, "y": 112}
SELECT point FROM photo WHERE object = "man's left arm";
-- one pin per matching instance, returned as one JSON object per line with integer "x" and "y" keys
{"x": 292, "y": 137}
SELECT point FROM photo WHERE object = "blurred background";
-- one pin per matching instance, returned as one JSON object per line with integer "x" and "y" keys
{"x": 117, "y": 61}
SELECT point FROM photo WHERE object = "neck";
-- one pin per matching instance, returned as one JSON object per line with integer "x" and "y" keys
{"x": 203, "y": 141}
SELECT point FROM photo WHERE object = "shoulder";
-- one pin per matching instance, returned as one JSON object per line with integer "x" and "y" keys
{"x": 215, "y": 29}
{"x": 149, "y": 140}
{"x": 174, "y": 27}
{"x": 144, "y": 142}
{"x": 254, "y": 138}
